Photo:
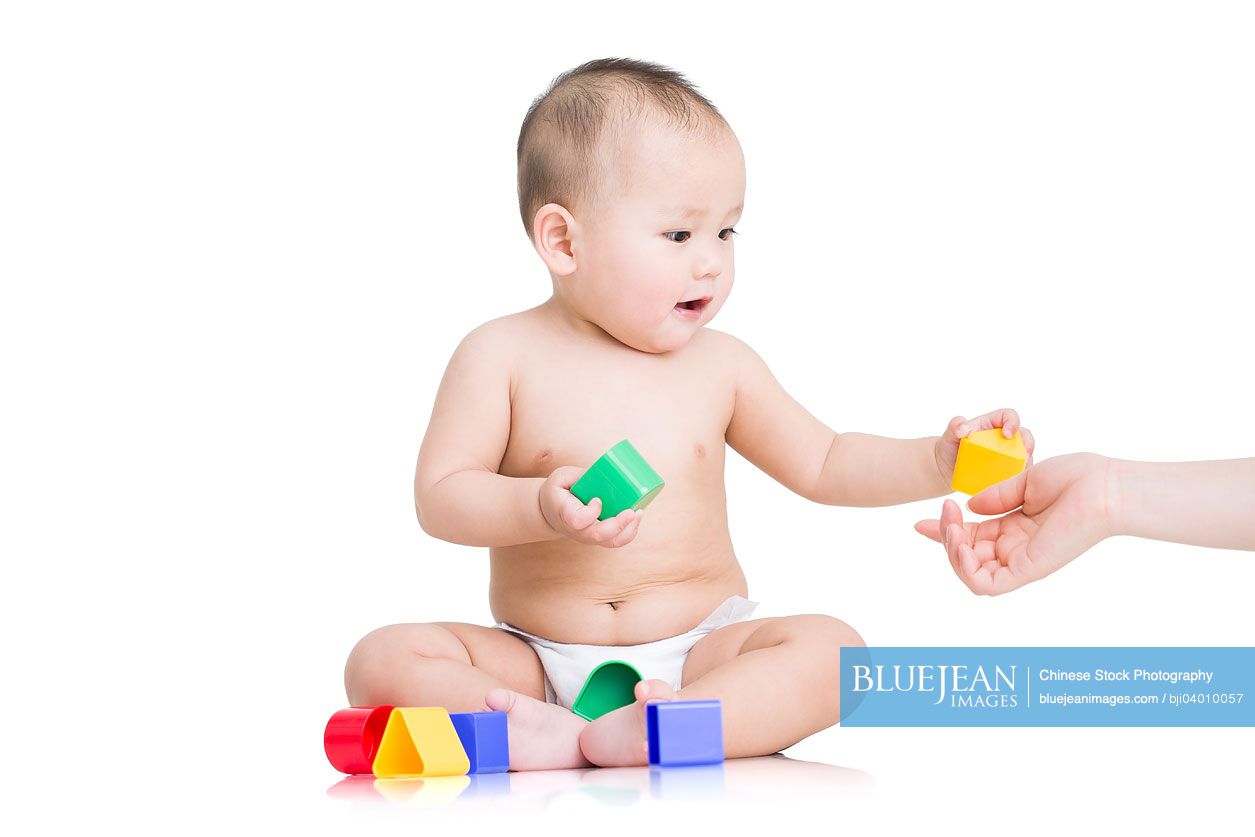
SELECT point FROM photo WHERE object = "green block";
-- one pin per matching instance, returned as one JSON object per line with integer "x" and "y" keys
{"x": 621, "y": 478}
{"x": 608, "y": 687}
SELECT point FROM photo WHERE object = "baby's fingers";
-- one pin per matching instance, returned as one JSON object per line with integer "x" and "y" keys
{"x": 953, "y": 430}
{"x": 607, "y": 530}
{"x": 579, "y": 516}
{"x": 1006, "y": 418}
{"x": 627, "y": 535}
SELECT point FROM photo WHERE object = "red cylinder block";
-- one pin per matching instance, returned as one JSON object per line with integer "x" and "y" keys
{"x": 352, "y": 737}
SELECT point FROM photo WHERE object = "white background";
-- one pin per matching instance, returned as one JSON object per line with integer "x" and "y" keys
{"x": 239, "y": 241}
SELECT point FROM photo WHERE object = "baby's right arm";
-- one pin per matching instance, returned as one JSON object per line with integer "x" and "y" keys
{"x": 458, "y": 494}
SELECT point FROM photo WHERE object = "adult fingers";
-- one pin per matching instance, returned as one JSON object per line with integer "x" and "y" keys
{"x": 935, "y": 529}
{"x": 950, "y": 514}
{"x": 951, "y": 542}
{"x": 968, "y": 563}
{"x": 930, "y": 529}
{"x": 979, "y": 577}
{"x": 1001, "y": 497}
{"x": 963, "y": 562}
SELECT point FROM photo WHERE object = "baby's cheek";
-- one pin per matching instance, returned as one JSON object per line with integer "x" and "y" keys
{"x": 642, "y": 301}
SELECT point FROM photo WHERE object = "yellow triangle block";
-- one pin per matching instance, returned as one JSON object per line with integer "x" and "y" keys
{"x": 987, "y": 457}
{"x": 420, "y": 742}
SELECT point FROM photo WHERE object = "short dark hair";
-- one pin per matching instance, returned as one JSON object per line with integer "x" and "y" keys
{"x": 559, "y": 141}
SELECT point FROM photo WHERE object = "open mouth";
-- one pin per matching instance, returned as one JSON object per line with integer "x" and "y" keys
{"x": 692, "y": 307}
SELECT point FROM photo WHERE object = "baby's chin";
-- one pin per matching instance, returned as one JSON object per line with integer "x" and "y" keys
{"x": 662, "y": 340}
{"x": 669, "y": 334}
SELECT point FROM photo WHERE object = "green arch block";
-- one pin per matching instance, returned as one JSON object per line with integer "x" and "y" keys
{"x": 608, "y": 687}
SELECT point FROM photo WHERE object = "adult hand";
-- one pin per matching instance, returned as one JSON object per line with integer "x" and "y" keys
{"x": 1058, "y": 509}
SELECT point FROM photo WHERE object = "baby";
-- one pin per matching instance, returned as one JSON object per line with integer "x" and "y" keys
{"x": 630, "y": 184}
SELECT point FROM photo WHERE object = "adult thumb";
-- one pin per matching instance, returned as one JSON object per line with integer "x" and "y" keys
{"x": 1002, "y": 497}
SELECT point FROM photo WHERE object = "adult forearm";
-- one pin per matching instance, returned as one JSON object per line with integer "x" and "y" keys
{"x": 480, "y": 508}
{"x": 1203, "y": 503}
{"x": 866, "y": 470}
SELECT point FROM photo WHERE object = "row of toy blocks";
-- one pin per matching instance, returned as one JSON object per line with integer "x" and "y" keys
{"x": 416, "y": 741}
{"x": 427, "y": 741}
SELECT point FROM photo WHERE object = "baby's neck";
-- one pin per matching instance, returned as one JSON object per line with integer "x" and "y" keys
{"x": 567, "y": 319}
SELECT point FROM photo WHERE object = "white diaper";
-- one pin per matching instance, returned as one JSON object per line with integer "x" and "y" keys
{"x": 568, "y": 666}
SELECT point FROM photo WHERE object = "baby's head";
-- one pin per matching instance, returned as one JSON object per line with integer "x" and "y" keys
{"x": 629, "y": 184}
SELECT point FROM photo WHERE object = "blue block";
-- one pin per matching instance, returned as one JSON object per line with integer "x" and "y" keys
{"x": 485, "y": 740}
{"x": 684, "y": 732}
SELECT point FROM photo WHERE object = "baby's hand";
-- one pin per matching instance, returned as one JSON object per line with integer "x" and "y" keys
{"x": 570, "y": 518}
{"x": 948, "y": 444}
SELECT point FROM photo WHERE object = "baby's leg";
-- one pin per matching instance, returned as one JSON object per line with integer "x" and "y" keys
{"x": 778, "y": 680}
{"x": 467, "y": 668}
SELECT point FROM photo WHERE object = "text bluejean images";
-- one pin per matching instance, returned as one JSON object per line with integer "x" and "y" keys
{"x": 1048, "y": 687}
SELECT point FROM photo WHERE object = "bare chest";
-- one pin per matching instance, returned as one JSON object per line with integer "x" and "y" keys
{"x": 568, "y": 409}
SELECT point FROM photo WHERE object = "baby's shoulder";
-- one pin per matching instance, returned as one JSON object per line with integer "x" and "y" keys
{"x": 726, "y": 358}
{"x": 716, "y": 339}
{"x": 499, "y": 349}
{"x": 487, "y": 354}
{"x": 498, "y": 337}
{"x": 720, "y": 348}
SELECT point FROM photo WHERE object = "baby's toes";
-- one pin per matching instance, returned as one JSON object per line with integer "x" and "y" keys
{"x": 647, "y": 690}
{"x": 500, "y": 700}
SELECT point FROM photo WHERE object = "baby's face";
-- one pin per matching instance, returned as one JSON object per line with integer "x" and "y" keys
{"x": 655, "y": 262}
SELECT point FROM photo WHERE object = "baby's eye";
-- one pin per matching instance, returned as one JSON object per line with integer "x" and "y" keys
{"x": 730, "y": 232}
{"x": 684, "y": 233}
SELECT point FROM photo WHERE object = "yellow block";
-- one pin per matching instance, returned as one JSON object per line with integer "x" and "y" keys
{"x": 420, "y": 742}
{"x": 985, "y": 458}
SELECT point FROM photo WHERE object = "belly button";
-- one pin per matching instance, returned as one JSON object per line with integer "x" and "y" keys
{"x": 615, "y": 605}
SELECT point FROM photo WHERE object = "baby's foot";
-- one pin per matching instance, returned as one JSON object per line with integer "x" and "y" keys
{"x": 617, "y": 739}
{"x": 542, "y": 736}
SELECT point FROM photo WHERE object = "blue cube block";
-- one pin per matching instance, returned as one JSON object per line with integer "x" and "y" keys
{"x": 684, "y": 732}
{"x": 485, "y": 740}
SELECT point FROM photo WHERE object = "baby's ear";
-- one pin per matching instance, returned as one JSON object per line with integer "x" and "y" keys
{"x": 552, "y": 231}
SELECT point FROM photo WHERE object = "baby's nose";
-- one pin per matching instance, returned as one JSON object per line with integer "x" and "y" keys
{"x": 709, "y": 266}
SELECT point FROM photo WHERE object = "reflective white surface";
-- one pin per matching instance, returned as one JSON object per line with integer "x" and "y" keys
{"x": 775, "y": 779}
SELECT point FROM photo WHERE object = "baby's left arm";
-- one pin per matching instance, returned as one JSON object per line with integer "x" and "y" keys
{"x": 777, "y": 434}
